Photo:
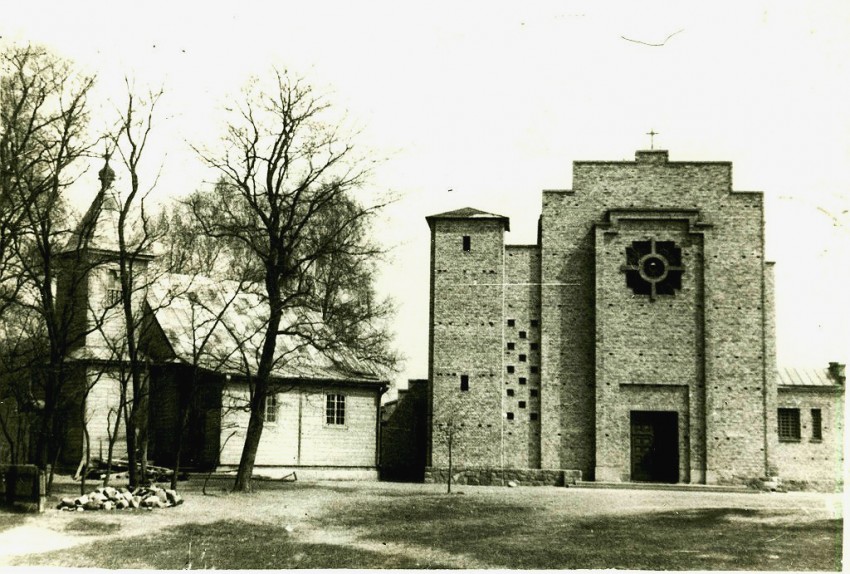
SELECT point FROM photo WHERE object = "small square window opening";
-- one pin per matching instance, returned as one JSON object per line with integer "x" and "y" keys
{"x": 522, "y": 404}
{"x": 511, "y": 322}
{"x": 523, "y": 380}
{"x": 511, "y": 346}
{"x": 510, "y": 368}
{"x": 509, "y": 416}
{"x": 522, "y": 334}
{"x": 523, "y": 358}
{"x": 510, "y": 392}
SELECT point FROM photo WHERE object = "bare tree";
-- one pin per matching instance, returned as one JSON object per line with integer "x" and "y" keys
{"x": 44, "y": 120}
{"x": 286, "y": 202}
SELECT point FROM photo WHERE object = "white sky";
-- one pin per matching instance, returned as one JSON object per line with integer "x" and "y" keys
{"x": 495, "y": 100}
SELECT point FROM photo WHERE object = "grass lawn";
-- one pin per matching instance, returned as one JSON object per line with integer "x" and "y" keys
{"x": 379, "y": 525}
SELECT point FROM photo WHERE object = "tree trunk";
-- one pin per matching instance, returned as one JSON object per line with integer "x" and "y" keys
{"x": 249, "y": 451}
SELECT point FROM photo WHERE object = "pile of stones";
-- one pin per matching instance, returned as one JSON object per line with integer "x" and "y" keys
{"x": 108, "y": 498}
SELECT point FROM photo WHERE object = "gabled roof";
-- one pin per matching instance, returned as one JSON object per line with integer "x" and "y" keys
{"x": 804, "y": 377}
{"x": 220, "y": 328}
{"x": 469, "y": 213}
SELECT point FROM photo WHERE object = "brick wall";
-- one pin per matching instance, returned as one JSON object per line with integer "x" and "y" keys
{"x": 467, "y": 339}
{"x": 708, "y": 338}
{"x": 811, "y": 461}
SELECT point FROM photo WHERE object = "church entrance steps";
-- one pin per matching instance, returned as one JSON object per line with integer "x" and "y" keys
{"x": 683, "y": 487}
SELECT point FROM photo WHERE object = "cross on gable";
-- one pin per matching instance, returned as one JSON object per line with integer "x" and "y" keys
{"x": 652, "y": 133}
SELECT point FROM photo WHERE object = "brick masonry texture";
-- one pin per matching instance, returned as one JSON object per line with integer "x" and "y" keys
{"x": 601, "y": 351}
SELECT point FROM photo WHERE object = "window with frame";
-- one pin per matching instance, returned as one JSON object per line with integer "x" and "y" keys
{"x": 270, "y": 408}
{"x": 817, "y": 429}
{"x": 113, "y": 288}
{"x": 335, "y": 409}
{"x": 789, "y": 424}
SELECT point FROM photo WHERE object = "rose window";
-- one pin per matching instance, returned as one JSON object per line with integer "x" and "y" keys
{"x": 653, "y": 268}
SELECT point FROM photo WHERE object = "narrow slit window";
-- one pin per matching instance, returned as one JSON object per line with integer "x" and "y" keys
{"x": 817, "y": 432}
{"x": 467, "y": 243}
{"x": 464, "y": 382}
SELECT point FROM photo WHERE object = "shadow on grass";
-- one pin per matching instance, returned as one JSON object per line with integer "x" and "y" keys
{"x": 10, "y": 518}
{"x": 227, "y": 545}
{"x": 92, "y": 527}
{"x": 534, "y": 537}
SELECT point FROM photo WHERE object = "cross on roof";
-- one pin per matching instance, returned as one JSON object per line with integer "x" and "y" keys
{"x": 652, "y": 133}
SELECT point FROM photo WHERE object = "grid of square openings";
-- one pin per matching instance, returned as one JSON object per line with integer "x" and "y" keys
{"x": 523, "y": 337}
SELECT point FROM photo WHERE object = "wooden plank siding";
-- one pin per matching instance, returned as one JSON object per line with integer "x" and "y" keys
{"x": 301, "y": 436}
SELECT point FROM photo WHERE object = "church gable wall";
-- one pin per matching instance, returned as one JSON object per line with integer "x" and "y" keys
{"x": 732, "y": 303}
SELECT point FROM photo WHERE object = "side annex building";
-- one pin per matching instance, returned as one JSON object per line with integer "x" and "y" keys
{"x": 635, "y": 341}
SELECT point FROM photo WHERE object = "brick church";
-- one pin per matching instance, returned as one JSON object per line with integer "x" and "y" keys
{"x": 634, "y": 341}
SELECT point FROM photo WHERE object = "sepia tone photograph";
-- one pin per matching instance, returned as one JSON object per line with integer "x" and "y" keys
{"x": 388, "y": 286}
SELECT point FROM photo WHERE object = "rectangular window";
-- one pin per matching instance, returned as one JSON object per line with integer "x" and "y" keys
{"x": 817, "y": 433}
{"x": 535, "y": 322}
{"x": 511, "y": 322}
{"x": 534, "y": 370}
{"x": 467, "y": 243}
{"x": 522, "y": 334}
{"x": 510, "y": 416}
{"x": 533, "y": 392}
{"x": 789, "y": 424}
{"x": 510, "y": 392}
{"x": 335, "y": 410}
{"x": 511, "y": 346}
{"x": 270, "y": 408}
{"x": 523, "y": 358}
{"x": 510, "y": 368}
{"x": 523, "y": 380}
{"x": 464, "y": 382}
{"x": 534, "y": 346}
{"x": 522, "y": 404}
{"x": 113, "y": 288}
{"x": 533, "y": 416}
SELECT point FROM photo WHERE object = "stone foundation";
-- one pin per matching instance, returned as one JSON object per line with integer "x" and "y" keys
{"x": 501, "y": 477}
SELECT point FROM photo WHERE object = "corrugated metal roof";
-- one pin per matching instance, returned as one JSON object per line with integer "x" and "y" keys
{"x": 221, "y": 328}
{"x": 804, "y": 377}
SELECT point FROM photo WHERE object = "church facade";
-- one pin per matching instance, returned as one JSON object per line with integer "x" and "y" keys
{"x": 633, "y": 342}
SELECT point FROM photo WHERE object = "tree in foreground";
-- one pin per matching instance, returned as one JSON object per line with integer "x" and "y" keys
{"x": 289, "y": 209}
{"x": 43, "y": 123}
